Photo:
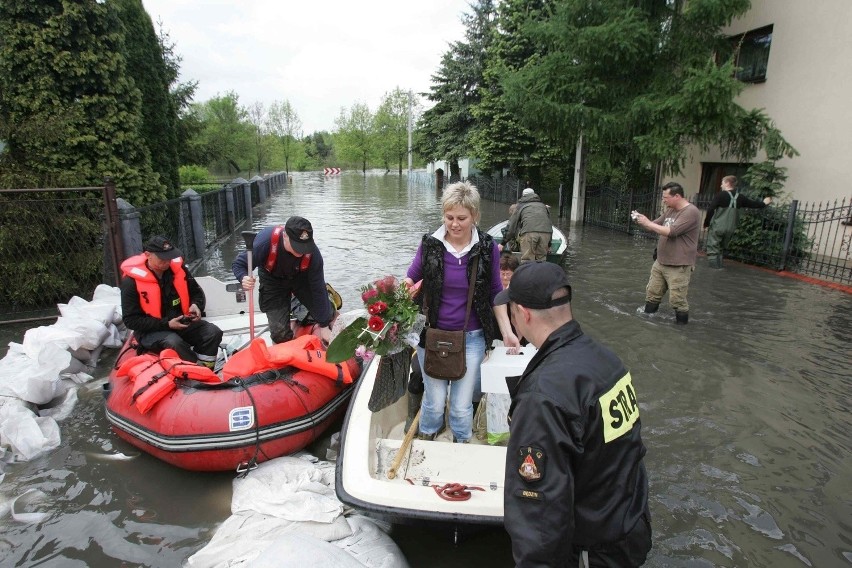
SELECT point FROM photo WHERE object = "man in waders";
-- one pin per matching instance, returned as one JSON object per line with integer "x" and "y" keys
{"x": 530, "y": 226}
{"x": 576, "y": 489}
{"x": 722, "y": 217}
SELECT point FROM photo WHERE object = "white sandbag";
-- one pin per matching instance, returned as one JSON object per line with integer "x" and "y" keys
{"x": 74, "y": 366}
{"x": 25, "y": 434}
{"x": 302, "y": 551}
{"x": 370, "y": 545}
{"x": 115, "y": 338}
{"x": 77, "y": 307}
{"x": 290, "y": 488}
{"x": 91, "y": 332}
{"x": 34, "y": 380}
{"x": 242, "y": 537}
{"x": 109, "y": 295}
{"x": 60, "y": 408}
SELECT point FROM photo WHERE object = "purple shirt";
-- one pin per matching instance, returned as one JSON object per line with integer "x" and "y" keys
{"x": 454, "y": 295}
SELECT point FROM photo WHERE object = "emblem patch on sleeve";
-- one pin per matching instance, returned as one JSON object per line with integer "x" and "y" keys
{"x": 531, "y": 467}
{"x": 619, "y": 409}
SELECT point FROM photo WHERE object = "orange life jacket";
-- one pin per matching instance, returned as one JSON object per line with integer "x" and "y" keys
{"x": 305, "y": 353}
{"x": 148, "y": 286}
{"x": 154, "y": 376}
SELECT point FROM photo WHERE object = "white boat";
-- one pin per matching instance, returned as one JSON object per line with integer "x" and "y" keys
{"x": 558, "y": 242}
{"x": 371, "y": 441}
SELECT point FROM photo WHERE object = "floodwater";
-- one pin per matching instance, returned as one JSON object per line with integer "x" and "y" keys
{"x": 745, "y": 411}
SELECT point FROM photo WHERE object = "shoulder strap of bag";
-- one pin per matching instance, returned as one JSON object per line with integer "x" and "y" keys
{"x": 470, "y": 290}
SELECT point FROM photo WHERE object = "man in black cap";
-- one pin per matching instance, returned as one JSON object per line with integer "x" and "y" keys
{"x": 162, "y": 303}
{"x": 288, "y": 264}
{"x": 576, "y": 490}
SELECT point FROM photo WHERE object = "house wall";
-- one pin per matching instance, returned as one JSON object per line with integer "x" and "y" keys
{"x": 467, "y": 167}
{"x": 808, "y": 93}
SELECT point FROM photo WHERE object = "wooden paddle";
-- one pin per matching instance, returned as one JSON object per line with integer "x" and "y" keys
{"x": 400, "y": 453}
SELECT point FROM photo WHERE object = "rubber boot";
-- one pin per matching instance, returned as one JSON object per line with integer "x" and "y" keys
{"x": 681, "y": 318}
{"x": 651, "y": 307}
{"x": 413, "y": 406}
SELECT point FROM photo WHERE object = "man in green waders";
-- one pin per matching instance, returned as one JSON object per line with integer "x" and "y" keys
{"x": 722, "y": 217}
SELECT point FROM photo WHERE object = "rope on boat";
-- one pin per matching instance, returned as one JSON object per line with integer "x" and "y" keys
{"x": 455, "y": 491}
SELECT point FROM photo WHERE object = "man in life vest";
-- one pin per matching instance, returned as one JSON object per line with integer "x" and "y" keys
{"x": 288, "y": 264}
{"x": 162, "y": 303}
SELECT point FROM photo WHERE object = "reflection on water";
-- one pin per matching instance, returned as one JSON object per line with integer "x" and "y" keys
{"x": 745, "y": 410}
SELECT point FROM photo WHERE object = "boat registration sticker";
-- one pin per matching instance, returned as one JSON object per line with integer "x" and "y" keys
{"x": 241, "y": 418}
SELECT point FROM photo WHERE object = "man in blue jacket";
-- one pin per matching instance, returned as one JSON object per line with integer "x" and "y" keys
{"x": 576, "y": 490}
{"x": 288, "y": 264}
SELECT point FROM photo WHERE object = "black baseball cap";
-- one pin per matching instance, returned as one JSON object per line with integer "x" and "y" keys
{"x": 533, "y": 284}
{"x": 162, "y": 247}
{"x": 301, "y": 234}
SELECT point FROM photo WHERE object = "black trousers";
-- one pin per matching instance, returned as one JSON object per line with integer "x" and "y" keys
{"x": 200, "y": 338}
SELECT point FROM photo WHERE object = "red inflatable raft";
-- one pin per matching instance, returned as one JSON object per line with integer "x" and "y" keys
{"x": 267, "y": 401}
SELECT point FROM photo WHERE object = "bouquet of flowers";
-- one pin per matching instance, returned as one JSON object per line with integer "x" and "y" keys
{"x": 390, "y": 322}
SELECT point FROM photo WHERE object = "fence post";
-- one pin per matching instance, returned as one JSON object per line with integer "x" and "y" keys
{"x": 113, "y": 229}
{"x": 196, "y": 218}
{"x": 629, "y": 210}
{"x": 788, "y": 234}
{"x": 231, "y": 210}
{"x": 247, "y": 199}
{"x": 130, "y": 227}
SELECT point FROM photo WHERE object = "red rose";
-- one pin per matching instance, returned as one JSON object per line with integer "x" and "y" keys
{"x": 377, "y": 308}
{"x": 376, "y": 323}
{"x": 386, "y": 285}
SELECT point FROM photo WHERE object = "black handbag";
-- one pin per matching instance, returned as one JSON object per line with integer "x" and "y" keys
{"x": 445, "y": 353}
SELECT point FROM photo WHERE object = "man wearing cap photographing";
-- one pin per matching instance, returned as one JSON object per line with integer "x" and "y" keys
{"x": 576, "y": 490}
{"x": 288, "y": 264}
{"x": 163, "y": 304}
{"x": 530, "y": 226}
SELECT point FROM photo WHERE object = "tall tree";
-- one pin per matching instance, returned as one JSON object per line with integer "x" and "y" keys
{"x": 258, "y": 118}
{"x": 70, "y": 110}
{"x": 391, "y": 127}
{"x": 284, "y": 122}
{"x": 638, "y": 76}
{"x": 354, "y": 138}
{"x": 226, "y": 136}
{"x": 147, "y": 66}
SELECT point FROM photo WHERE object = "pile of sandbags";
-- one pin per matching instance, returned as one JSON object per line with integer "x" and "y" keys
{"x": 38, "y": 377}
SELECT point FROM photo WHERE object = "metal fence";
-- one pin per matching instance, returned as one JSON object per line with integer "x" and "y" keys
{"x": 66, "y": 241}
{"x": 812, "y": 239}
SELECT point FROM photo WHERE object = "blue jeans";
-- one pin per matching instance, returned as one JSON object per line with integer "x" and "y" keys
{"x": 461, "y": 392}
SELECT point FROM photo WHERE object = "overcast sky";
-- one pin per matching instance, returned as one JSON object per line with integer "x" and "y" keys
{"x": 320, "y": 55}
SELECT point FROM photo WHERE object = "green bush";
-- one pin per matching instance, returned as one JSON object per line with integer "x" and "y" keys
{"x": 193, "y": 175}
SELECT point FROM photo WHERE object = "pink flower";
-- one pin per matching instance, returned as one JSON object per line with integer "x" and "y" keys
{"x": 376, "y": 323}
{"x": 377, "y": 308}
{"x": 386, "y": 285}
{"x": 364, "y": 353}
{"x": 369, "y": 295}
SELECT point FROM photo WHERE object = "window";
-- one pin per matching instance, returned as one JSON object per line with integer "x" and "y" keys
{"x": 711, "y": 179}
{"x": 751, "y": 50}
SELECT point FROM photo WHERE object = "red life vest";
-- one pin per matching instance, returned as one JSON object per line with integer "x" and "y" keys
{"x": 149, "y": 288}
{"x": 305, "y": 353}
{"x": 304, "y": 262}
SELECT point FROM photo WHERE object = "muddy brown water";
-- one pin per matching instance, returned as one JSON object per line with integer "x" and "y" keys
{"x": 745, "y": 411}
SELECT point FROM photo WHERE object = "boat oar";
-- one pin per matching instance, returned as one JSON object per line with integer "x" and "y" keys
{"x": 248, "y": 237}
{"x": 397, "y": 459}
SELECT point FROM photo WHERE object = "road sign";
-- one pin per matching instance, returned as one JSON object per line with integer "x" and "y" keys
{"x": 332, "y": 171}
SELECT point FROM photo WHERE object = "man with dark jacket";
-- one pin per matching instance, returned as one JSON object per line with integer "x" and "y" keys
{"x": 288, "y": 264}
{"x": 162, "y": 303}
{"x": 722, "y": 217}
{"x": 530, "y": 226}
{"x": 576, "y": 490}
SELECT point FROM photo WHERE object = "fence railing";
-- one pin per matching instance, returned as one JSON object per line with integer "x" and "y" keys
{"x": 68, "y": 240}
{"x": 813, "y": 239}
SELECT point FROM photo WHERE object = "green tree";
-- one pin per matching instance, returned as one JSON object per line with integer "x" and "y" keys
{"x": 226, "y": 136}
{"x": 262, "y": 140}
{"x": 391, "y": 127}
{"x": 318, "y": 150}
{"x": 284, "y": 122}
{"x": 70, "y": 112}
{"x": 147, "y": 66}
{"x": 355, "y": 138}
{"x": 639, "y": 80}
